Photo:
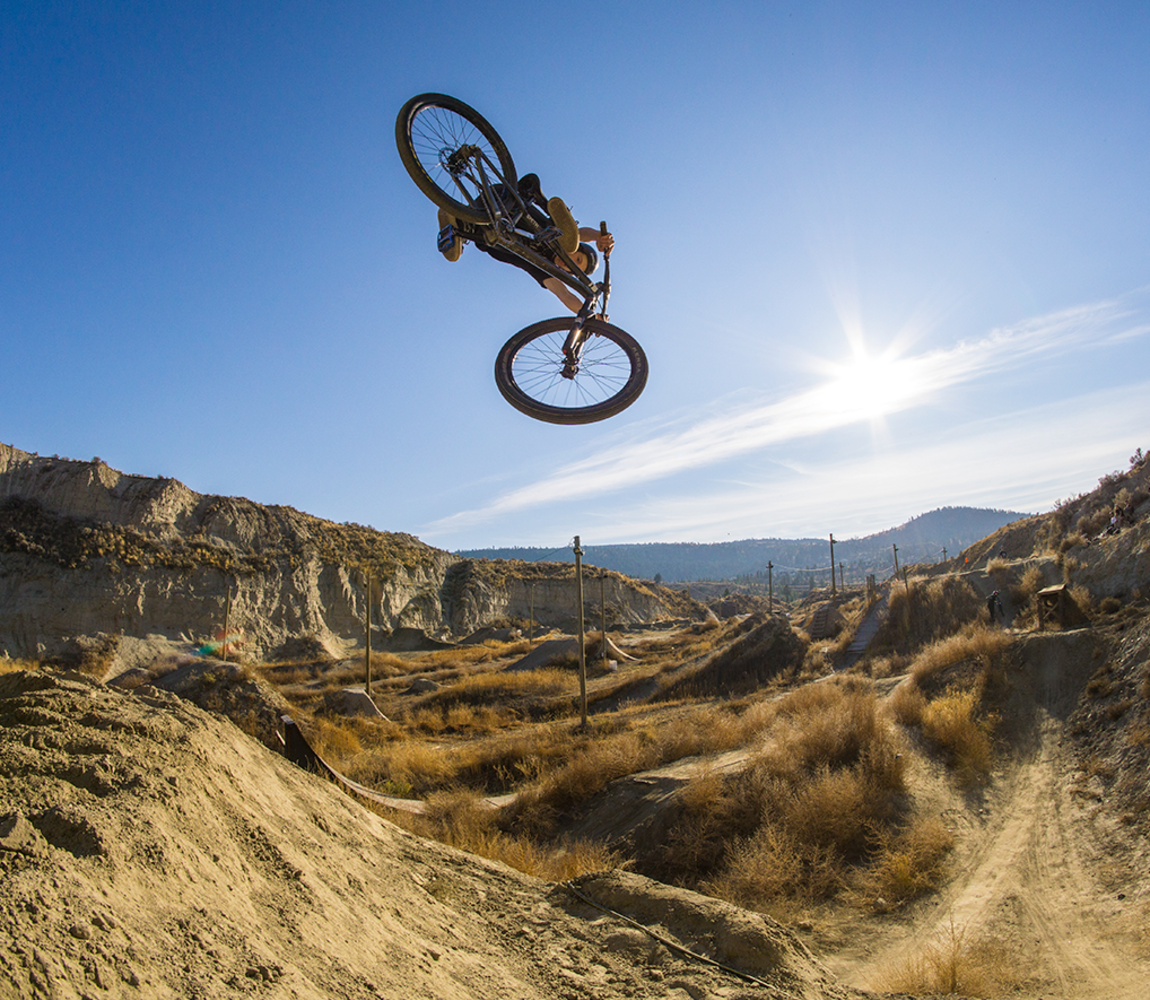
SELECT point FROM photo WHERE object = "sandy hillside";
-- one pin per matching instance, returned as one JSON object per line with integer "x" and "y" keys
{"x": 149, "y": 849}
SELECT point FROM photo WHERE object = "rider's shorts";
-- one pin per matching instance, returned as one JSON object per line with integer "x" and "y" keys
{"x": 507, "y": 257}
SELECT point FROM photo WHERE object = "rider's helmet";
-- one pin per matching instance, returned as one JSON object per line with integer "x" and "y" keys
{"x": 592, "y": 257}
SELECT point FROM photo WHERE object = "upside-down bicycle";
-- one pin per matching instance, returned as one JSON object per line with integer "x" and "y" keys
{"x": 564, "y": 370}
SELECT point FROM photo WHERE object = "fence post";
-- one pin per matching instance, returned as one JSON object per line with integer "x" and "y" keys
{"x": 367, "y": 637}
{"x": 582, "y": 648}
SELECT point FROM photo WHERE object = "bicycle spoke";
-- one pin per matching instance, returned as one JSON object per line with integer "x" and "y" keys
{"x": 602, "y": 371}
{"x": 437, "y": 133}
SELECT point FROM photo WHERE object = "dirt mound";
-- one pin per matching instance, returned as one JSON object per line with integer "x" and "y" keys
{"x": 768, "y": 649}
{"x": 149, "y": 849}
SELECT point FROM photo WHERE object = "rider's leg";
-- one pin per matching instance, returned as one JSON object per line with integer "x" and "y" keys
{"x": 453, "y": 252}
{"x": 557, "y": 209}
{"x": 562, "y": 217}
{"x": 530, "y": 191}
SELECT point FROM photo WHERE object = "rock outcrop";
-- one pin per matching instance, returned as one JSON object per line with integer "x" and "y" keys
{"x": 87, "y": 551}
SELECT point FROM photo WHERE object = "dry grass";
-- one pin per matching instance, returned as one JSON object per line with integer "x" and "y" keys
{"x": 954, "y": 965}
{"x": 930, "y": 610}
{"x": 463, "y": 820}
{"x": 1033, "y": 580}
{"x": 975, "y": 641}
{"x": 501, "y": 686}
{"x": 954, "y": 724}
{"x": 909, "y": 863}
{"x": 943, "y": 696}
{"x": 8, "y": 666}
{"x": 817, "y": 805}
{"x": 999, "y": 569}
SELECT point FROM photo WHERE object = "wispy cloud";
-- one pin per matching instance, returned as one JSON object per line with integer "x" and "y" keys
{"x": 1094, "y": 433}
{"x": 907, "y": 382}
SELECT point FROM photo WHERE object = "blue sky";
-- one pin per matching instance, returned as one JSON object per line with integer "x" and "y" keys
{"x": 883, "y": 257}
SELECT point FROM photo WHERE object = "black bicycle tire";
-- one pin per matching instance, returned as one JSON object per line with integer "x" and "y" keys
{"x": 526, "y": 403}
{"x": 424, "y": 181}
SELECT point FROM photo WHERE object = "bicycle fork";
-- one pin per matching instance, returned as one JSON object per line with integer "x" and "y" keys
{"x": 573, "y": 346}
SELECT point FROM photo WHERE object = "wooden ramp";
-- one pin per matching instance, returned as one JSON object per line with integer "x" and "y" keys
{"x": 866, "y": 631}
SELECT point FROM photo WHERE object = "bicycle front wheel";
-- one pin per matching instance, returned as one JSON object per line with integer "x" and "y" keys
{"x": 429, "y": 131}
{"x": 533, "y": 377}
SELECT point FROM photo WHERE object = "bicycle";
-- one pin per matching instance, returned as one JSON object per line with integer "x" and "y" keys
{"x": 563, "y": 370}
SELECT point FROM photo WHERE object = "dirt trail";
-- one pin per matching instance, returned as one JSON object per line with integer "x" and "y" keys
{"x": 1028, "y": 876}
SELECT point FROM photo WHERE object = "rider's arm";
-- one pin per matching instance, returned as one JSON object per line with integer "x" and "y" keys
{"x": 605, "y": 241}
{"x": 563, "y": 293}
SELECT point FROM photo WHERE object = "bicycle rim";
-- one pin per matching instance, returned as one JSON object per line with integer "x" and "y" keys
{"x": 429, "y": 130}
{"x": 612, "y": 372}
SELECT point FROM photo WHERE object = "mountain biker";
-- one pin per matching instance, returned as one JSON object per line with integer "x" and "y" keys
{"x": 576, "y": 241}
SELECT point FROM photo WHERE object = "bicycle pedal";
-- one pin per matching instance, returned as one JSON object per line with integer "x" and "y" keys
{"x": 446, "y": 239}
{"x": 549, "y": 235}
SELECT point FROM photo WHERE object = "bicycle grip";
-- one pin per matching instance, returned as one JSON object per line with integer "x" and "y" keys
{"x": 603, "y": 228}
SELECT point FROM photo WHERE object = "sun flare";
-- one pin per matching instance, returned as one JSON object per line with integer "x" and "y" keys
{"x": 870, "y": 387}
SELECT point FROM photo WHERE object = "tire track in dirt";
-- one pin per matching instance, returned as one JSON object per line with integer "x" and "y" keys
{"x": 1025, "y": 879}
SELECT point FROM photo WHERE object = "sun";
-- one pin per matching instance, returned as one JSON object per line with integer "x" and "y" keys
{"x": 868, "y": 387}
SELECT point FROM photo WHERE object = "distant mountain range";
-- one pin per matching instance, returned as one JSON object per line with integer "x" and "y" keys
{"x": 798, "y": 563}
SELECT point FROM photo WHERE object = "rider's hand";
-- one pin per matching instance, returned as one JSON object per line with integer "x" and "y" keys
{"x": 606, "y": 242}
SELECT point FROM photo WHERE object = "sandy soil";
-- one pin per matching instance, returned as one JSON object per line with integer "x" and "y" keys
{"x": 149, "y": 849}
{"x": 1040, "y": 869}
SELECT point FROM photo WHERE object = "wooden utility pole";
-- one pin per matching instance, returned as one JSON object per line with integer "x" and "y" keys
{"x": 603, "y": 615}
{"x": 895, "y": 547}
{"x": 842, "y": 577}
{"x": 832, "y": 564}
{"x": 582, "y": 647}
{"x": 770, "y": 589}
{"x": 367, "y": 636}
{"x": 531, "y": 610}
{"x": 227, "y": 616}
{"x": 944, "y": 553}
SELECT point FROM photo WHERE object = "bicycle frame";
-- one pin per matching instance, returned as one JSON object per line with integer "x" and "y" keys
{"x": 472, "y": 162}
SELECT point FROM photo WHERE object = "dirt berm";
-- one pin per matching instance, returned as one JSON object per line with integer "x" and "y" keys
{"x": 149, "y": 849}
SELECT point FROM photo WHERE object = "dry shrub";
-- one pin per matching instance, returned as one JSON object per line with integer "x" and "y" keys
{"x": 975, "y": 641}
{"x": 885, "y": 666}
{"x": 773, "y": 864}
{"x": 928, "y": 611}
{"x": 463, "y": 820}
{"x": 907, "y": 703}
{"x": 8, "y": 666}
{"x": 910, "y": 863}
{"x": 1084, "y": 599}
{"x": 1092, "y": 524}
{"x": 998, "y": 568}
{"x": 589, "y": 761}
{"x": 1033, "y": 580}
{"x": 335, "y": 742}
{"x": 952, "y": 722}
{"x": 953, "y": 965}
{"x": 1071, "y": 541}
{"x": 802, "y": 815}
{"x": 943, "y": 696}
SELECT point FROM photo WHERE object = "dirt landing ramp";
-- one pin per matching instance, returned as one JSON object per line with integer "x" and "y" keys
{"x": 176, "y": 857}
{"x": 353, "y": 701}
{"x": 750, "y": 943}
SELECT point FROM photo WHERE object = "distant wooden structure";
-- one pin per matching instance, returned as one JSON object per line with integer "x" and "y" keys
{"x": 826, "y": 622}
{"x": 1056, "y": 605}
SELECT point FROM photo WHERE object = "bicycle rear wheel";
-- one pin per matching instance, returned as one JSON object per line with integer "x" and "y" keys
{"x": 429, "y": 130}
{"x": 611, "y": 374}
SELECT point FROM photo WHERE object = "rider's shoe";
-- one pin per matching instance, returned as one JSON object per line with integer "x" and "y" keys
{"x": 562, "y": 217}
{"x": 455, "y": 249}
{"x": 530, "y": 191}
